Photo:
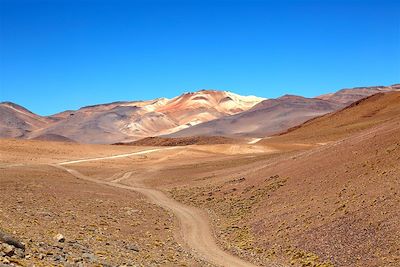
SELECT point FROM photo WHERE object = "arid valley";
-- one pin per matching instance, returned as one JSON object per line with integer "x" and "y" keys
{"x": 199, "y": 133}
{"x": 323, "y": 193}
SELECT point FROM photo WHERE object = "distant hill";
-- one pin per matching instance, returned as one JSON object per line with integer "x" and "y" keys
{"x": 124, "y": 120}
{"x": 359, "y": 116}
{"x": 268, "y": 117}
{"x": 348, "y": 96}
{"x": 272, "y": 116}
{"x": 18, "y": 122}
{"x": 201, "y": 113}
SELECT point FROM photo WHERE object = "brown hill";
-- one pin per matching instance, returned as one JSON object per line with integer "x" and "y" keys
{"x": 181, "y": 141}
{"x": 348, "y": 96}
{"x": 339, "y": 201}
{"x": 359, "y": 116}
{"x": 268, "y": 117}
{"x": 17, "y": 122}
{"x": 126, "y": 121}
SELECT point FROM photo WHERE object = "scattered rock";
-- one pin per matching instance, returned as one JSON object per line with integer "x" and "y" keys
{"x": 133, "y": 248}
{"x": 59, "y": 238}
{"x": 11, "y": 240}
{"x": 59, "y": 258}
{"x": 89, "y": 256}
{"x": 8, "y": 250}
{"x": 19, "y": 253}
{"x": 76, "y": 245}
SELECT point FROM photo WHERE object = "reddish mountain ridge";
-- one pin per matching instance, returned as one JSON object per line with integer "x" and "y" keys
{"x": 268, "y": 117}
{"x": 128, "y": 121}
{"x": 202, "y": 113}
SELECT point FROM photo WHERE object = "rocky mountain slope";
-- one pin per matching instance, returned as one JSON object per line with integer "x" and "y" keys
{"x": 127, "y": 121}
{"x": 268, "y": 117}
{"x": 272, "y": 116}
{"x": 202, "y": 113}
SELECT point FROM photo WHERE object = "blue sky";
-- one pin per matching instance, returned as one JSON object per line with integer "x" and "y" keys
{"x": 57, "y": 55}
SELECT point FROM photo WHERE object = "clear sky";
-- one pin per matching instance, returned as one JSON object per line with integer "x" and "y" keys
{"x": 57, "y": 55}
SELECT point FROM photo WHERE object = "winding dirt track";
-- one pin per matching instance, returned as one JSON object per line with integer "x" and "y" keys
{"x": 194, "y": 223}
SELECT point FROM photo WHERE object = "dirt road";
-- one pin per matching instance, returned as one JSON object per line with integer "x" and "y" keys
{"x": 116, "y": 156}
{"x": 194, "y": 223}
{"x": 253, "y": 141}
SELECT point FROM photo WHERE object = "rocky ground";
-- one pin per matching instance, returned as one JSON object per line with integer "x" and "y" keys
{"x": 342, "y": 211}
{"x": 67, "y": 222}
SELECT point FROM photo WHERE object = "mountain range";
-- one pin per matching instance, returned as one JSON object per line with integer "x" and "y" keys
{"x": 201, "y": 113}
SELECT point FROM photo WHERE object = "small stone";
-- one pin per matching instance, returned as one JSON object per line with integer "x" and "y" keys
{"x": 8, "y": 250}
{"x": 76, "y": 260}
{"x": 59, "y": 258}
{"x": 20, "y": 253}
{"x": 89, "y": 256}
{"x": 133, "y": 247}
{"x": 5, "y": 238}
{"x": 59, "y": 238}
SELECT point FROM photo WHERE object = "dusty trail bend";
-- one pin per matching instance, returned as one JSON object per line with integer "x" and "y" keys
{"x": 194, "y": 223}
